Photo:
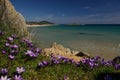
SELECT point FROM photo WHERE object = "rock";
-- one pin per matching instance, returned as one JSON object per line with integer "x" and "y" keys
{"x": 61, "y": 48}
{"x": 74, "y": 52}
{"x": 82, "y": 54}
{"x": 57, "y": 49}
{"x": 9, "y": 17}
{"x": 116, "y": 60}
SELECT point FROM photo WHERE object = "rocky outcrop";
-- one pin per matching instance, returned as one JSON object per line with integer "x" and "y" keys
{"x": 116, "y": 60}
{"x": 57, "y": 49}
{"x": 82, "y": 54}
{"x": 9, "y": 17}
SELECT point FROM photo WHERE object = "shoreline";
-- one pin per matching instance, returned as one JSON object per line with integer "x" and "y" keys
{"x": 38, "y": 25}
{"x": 102, "y": 51}
{"x": 106, "y": 45}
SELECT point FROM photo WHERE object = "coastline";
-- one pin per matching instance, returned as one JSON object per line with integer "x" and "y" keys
{"x": 105, "y": 45}
{"x": 38, "y": 25}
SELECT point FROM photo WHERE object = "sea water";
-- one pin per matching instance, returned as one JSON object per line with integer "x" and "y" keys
{"x": 101, "y": 40}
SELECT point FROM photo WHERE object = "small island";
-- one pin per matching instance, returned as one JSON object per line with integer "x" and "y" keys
{"x": 74, "y": 24}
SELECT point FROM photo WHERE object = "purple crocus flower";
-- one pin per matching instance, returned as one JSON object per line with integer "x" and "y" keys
{"x": 71, "y": 61}
{"x": 20, "y": 70}
{"x": 18, "y": 77}
{"x": 107, "y": 63}
{"x": 65, "y": 60}
{"x": 97, "y": 58}
{"x": 26, "y": 40}
{"x": 28, "y": 52}
{"x": 45, "y": 63}
{"x": 102, "y": 62}
{"x": 66, "y": 78}
{"x": 10, "y": 39}
{"x": 91, "y": 65}
{"x": 59, "y": 57}
{"x": 34, "y": 55}
{"x": 92, "y": 60}
{"x": 11, "y": 57}
{"x": 4, "y": 71}
{"x": 83, "y": 61}
{"x": 14, "y": 46}
{"x": 30, "y": 45}
{"x": 5, "y": 78}
{"x": 13, "y": 51}
{"x": 38, "y": 50}
{"x": 77, "y": 64}
{"x": 14, "y": 36}
{"x": 3, "y": 51}
{"x": 54, "y": 61}
{"x": 57, "y": 62}
{"x": 2, "y": 33}
{"x": 117, "y": 66}
{"x": 96, "y": 64}
{"x": 7, "y": 44}
{"x": 40, "y": 64}
{"x": 31, "y": 53}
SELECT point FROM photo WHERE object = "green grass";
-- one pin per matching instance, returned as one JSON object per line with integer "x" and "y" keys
{"x": 50, "y": 72}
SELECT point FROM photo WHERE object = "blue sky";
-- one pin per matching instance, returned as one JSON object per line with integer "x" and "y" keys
{"x": 70, "y": 11}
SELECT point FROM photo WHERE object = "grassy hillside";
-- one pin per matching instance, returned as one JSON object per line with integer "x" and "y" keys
{"x": 21, "y": 59}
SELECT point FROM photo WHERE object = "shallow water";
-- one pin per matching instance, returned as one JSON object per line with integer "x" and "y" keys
{"x": 102, "y": 40}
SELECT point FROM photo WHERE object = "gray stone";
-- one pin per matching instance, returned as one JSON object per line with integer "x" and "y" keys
{"x": 82, "y": 54}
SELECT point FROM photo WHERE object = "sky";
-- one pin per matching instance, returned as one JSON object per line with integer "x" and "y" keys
{"x": 70, "y": 11}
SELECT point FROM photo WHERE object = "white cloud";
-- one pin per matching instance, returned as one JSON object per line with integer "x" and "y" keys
{"x": 105, "y": 18}
{"x": 87, "y": 7}
{"x": 63, "y": 15}
{"x": 90, "y": 16}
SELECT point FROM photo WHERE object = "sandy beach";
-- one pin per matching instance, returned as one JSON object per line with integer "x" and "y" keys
{"x": 36, "y": 25}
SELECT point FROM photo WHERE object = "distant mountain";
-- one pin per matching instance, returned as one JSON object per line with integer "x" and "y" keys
{"x": 39, "y": 23}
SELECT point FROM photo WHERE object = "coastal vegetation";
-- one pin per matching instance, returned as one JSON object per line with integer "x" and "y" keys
{"x": 11, "y": 19}
{"x": 21, "y": 59}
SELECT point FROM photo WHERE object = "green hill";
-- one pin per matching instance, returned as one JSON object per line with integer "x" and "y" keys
{"x": 39, "y": 23}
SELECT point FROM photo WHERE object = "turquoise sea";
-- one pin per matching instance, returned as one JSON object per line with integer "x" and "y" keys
{"x": 102, "y": 40}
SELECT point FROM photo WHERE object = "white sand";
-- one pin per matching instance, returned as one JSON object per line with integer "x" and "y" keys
{"x": 35, "y": 25}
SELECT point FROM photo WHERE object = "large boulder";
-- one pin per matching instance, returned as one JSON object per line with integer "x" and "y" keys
{"x": 57, "y": 49}
{"x": 10, "y": 18}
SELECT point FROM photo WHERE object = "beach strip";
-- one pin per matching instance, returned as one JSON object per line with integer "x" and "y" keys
{"x": 36, "y": 25}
